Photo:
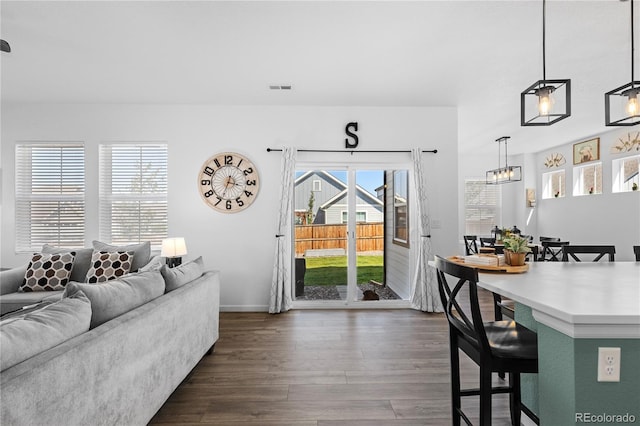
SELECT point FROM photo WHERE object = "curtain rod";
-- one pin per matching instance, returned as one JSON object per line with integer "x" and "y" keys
{"x": 434, "y": 151}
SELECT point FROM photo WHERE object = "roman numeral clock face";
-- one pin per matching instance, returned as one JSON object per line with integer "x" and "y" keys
{"x": 228, "y": 182}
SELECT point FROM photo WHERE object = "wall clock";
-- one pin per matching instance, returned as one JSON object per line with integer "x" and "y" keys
{"x": 228, "y": 182}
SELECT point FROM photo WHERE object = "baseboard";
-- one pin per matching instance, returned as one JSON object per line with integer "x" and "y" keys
{"x": 244, "y": 308}
{"x": 324, "y": 304}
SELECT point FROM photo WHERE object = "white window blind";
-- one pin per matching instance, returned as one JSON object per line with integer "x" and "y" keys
{"x": 481, "y": 207}
{"x": 133, "y": 193}
{"x": 50, "y": 187}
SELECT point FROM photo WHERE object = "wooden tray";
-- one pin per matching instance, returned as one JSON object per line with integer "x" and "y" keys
{"x": 490, "y": 268}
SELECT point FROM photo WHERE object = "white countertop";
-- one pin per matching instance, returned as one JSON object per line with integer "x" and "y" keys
{"x": 581, "y": 300}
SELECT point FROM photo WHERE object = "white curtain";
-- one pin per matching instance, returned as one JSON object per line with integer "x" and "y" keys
{"x": 425, "y": 295}
{"x": 281, "y": 280}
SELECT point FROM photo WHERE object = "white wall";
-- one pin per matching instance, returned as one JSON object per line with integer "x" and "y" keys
{"x": 595, "y": 219}
{"x": 240, "y": 245}
{"x": 605, "y": 218}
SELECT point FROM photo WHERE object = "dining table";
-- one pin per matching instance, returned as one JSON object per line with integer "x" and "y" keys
{"x": 576, "y": 308}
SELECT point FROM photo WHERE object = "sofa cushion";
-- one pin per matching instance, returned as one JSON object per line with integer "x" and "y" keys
{"x": 115, "y": 297}
{"x": 11, "y": 279}
{"x": 154, "y": 264}
{"x": 180, "y": 275}
{"x": 141, "y": 252}
{"x": 80, "y": 265}
{"x": 14, "y": 301}
{"x": 48, "y": 272}
{"x": 107, "y": 266}
{"x": 24, "y": 336}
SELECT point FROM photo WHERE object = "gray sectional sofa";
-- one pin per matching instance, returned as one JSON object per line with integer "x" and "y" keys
{"x": 132, "y": 356}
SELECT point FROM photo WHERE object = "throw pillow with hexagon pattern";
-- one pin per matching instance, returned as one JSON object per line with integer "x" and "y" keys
{"x": 48, "y": 272}
{"x": 107, "y": 265}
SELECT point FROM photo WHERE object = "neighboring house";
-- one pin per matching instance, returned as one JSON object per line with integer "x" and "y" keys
{"x": 330, "y": 200}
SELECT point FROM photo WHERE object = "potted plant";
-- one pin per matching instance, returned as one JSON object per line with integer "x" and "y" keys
{"x": 515, "y": 249}
{"x": 634, "y": 187}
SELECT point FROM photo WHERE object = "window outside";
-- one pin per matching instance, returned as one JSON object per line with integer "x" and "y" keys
{"x": 587, "y": 179}
{"x": 625, "y": 174}
{"x": 481, "y": 207}
{"x": 133, "y": 193}
{"x": 553, "y": 184}
{"x": 50, "y": 191}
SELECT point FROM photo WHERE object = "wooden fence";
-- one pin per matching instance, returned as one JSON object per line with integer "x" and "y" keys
{"x": 369, "y": 237}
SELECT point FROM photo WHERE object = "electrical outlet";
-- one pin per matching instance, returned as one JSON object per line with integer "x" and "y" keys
{"x": 608, "y": 364}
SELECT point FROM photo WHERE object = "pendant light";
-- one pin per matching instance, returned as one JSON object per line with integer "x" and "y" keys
{"x": 621, "y": 105}
{"x": 546, "y": 101}
{"x": 504, "y": 174}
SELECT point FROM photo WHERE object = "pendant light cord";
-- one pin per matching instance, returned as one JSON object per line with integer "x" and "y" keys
{"x": 544, "y": 20}
{"x": 632, "y": 45}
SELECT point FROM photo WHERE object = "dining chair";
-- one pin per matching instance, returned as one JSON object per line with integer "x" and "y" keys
{"x": 470, "y": 244}
{"x": 571, "y": 252}
{"x": 495, "y": 346}
{"x": 636, "y": 251}
{"x": 534, "y": 254}
{"x": 552, "y": 250}
{"x": 487, "y": 242}
{"x": 549, "y": 239}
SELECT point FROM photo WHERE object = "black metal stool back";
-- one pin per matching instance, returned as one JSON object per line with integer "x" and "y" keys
{"x": 496, "y": 346}
{"x": 636, "y": 251}
{"x": 466, "y": 320}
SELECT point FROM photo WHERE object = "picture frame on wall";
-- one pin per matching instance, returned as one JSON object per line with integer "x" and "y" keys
{"x": 586, "y": 151}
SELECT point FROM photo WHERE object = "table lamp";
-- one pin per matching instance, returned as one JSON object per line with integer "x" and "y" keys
{"x": 173, "y": 249}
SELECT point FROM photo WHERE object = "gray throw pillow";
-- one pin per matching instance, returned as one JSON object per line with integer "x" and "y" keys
{"x": 182, "y": 274}
{"x": 113, "y": 298}
{"x": 24, "y": 336}
{"x": 80, "y": 264}
{"x": 141, "y": 252}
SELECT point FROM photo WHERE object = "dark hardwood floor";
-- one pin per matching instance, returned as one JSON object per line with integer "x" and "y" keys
{"x": 326, "y": 368}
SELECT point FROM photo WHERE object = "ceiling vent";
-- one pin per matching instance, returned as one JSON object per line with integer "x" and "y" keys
{"x": 280, "y": 87}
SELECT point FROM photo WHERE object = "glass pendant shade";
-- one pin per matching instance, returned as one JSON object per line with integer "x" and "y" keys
{"x": 621, "y": 105}
{"x": 545, "y": 102}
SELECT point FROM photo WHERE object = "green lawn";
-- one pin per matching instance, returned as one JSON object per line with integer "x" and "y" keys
{"x": 333, "y": 270}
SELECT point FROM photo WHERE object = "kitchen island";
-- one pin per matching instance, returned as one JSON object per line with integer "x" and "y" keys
{"x": 577, "y": 308}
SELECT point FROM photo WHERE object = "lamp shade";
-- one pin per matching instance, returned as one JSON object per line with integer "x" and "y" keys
{"x": 621, "y": 105}
{"x": 545, "y": 102}
{"x": 173, "y": 247}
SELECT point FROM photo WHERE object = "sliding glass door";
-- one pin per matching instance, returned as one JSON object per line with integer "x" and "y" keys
{"x": 340, "y": 217}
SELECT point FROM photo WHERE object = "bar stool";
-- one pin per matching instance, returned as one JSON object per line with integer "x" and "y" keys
{"x": 636, "y": 251}
{"x": 497, "y": 346}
